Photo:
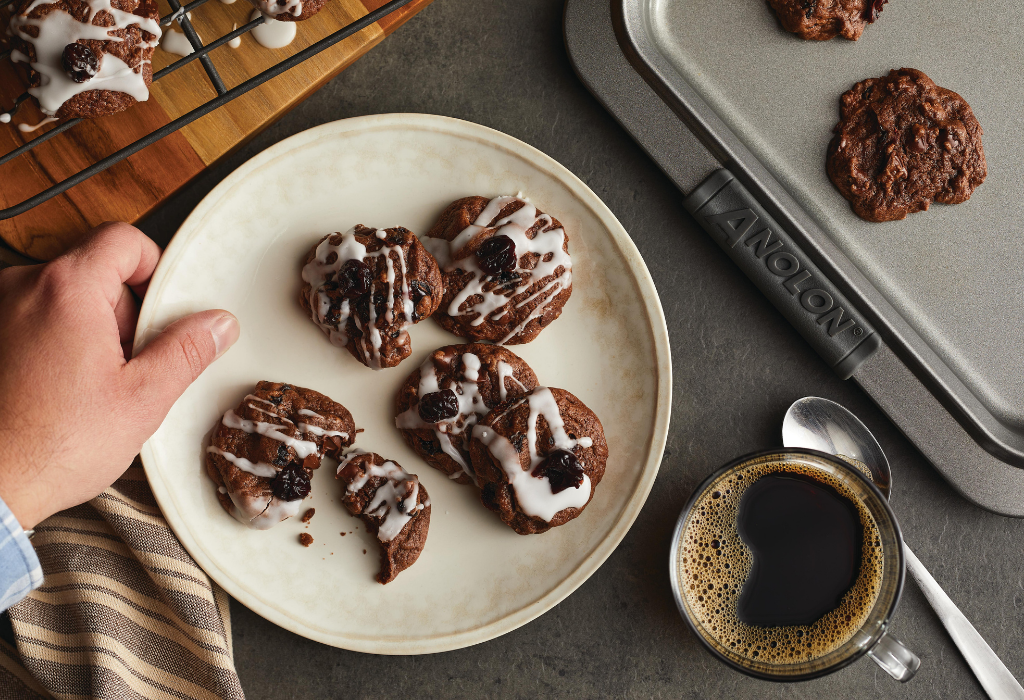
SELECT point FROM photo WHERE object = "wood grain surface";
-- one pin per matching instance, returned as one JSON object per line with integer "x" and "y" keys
{"x": 135, "y": 186}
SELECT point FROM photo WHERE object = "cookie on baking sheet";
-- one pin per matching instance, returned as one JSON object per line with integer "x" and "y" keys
{"x": 263, "y": 453}
{"x": 903, "y": 142}
{"x": 289, "y": 10}
{"x": 364, "y": 287}
{"x": 507, "y": 270}
{"x": 821, "y": 20}
{"x": 393, "y": 504}
{"x": 74, "y": 46}
{"x": 538, "y": 459}
{"x": 454, "y": 388}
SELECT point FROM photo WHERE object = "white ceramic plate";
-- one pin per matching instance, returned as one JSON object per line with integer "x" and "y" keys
{"x": 242, "y": 250}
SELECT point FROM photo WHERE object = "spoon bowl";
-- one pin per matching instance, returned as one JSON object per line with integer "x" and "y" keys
{"x": 823, "y": 425}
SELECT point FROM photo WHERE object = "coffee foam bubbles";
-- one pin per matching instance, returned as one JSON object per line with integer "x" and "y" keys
{"x": 714, "y": 562}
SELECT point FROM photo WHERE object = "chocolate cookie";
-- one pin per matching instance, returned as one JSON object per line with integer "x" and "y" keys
{"x": 364, "y": 287}
{"x": 824, "y": 19}
{"x": 538, "y": 459}
{"x": 457, "y": 385}
{"x": 289, "y": 10}
{"x": 902, "y": 142}
{"x": 392, "y": 503}
{"x": 71, "y": 46}
{"x": 507, "y": 271}
{"x": 263, "y": 453}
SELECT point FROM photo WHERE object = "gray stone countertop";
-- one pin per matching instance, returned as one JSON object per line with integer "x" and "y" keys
{"x": 737, "y": 366}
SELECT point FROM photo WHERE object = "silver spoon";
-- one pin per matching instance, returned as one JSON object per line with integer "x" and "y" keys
{"x": 820, "y": 424}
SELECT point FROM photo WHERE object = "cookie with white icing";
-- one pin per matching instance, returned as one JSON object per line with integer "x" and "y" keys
{"x": 507, "y": 270}
{"x": 364, "y": 287}
{"x": 289, "y": 10}
{"x": 86, "y": 58}
{"x": 454, "y": 388}
{"x": 263, "y": 453}
{"x": 538, "y": 459}
{"x": 393, "y": 504}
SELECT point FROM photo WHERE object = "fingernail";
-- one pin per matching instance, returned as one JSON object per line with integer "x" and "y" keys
{"x": 225, "y": 332}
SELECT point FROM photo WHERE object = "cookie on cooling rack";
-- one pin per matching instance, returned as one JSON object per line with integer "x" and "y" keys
{"x": 86, "y": 58}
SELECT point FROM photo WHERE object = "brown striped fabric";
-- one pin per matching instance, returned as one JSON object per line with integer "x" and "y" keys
{"x": 123, "y": 612}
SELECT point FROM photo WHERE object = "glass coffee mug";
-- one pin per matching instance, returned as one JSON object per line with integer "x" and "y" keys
{"x": 788, "y": 564}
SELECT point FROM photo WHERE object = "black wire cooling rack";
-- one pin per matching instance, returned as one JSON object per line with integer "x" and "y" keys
{"x": 201, "y": 52}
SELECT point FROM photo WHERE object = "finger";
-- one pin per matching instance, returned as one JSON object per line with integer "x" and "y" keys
{"x": 126, "y": 313}
{"x": 176, "y": 358}
{"x": 117, "y": 254}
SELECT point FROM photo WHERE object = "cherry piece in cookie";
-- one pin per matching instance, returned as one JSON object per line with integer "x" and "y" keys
{"x": 80, "y": 62}
{"x": 562, "y": 470}
{"x": 506, "y": 265}
{"x": 439, "y": 406}
{"x": 366, "y": 286}
{"x": 454, "y": 388}
{"x": 539, "y": 459}
{"x": 903, "y": 142}
{"x": 393, "y": 504}
{"x": 263, "y": 453}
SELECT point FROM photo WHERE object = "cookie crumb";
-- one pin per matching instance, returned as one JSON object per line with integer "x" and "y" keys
{"x": 305, "y": 539}
{"x": 364, "y": 551}
{"x": 343, "y": 534}
{"x": 308, "y": 515}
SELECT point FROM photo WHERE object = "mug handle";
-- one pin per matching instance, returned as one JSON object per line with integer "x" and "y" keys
{"x": 898, "y": 661}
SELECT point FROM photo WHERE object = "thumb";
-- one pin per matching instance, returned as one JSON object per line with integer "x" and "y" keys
{"x": 176, "y": 358}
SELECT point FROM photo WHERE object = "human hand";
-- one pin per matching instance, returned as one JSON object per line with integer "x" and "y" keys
{"x": 74, "y": 409}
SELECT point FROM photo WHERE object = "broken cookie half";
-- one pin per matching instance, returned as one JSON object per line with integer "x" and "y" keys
{"x": 393, "y": 504}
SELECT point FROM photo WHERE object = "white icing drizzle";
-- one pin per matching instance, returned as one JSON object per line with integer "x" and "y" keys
{"x": 534, "y": 493}
{"x": 317, "y": 430}
{"x": 316, "y": 274}
{"x": 176, "y": 43}
{"x": 276, "y": 8}
{"x": 303, "y": 448}
{"x": 505, "y": 371}
{"x": 237, "y": 41}
{"x": 272, "y": 34}
{"x": 58, "y": 29}
{"x": 496, "y": 302}
{"x": 401, "y": 488}
{"x": 471, "y": 408}
{"x": 26, "y": 128}
{"x": 5, "y": 118}
{"x": 262, "y": 512}
{"x": 263, "y": 469}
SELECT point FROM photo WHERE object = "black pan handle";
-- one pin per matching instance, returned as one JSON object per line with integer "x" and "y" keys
{"x": 797, "y": 288}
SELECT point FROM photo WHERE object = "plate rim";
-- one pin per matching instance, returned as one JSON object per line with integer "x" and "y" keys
{"x": 663, "y": 367}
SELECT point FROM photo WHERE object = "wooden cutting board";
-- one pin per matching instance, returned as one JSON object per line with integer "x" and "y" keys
{"x": 135, "y": 186}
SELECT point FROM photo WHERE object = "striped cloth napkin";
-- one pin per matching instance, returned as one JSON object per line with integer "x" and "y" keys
{"x": 123, "y": 612}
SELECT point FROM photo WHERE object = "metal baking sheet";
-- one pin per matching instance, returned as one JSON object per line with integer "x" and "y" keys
{"x": 944, "y": 286}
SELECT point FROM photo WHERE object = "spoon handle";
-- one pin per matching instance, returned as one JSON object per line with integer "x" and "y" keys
{"x": 994, "y": 677}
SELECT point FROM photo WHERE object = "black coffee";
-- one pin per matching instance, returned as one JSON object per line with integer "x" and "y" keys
{"x": 779, "y": 563}
{"x": 805, "y": 539}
